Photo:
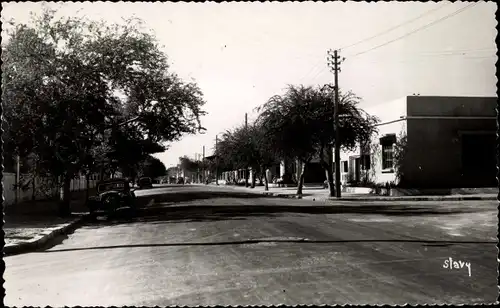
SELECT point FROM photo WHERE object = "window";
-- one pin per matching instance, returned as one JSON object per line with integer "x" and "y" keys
{"x": 365, "y": 162}
{"x": 387, "y": 156}
{"x": 346, "y": 166}
{"x": 387, "y": 143}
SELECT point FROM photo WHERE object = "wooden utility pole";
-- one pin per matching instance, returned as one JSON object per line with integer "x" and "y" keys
{"x": 18, "y": 179}
{"x": 216, "y": 162}
{"x": 335, "y": 62}
{"x": 246, "y": 169}
{"x": 198, "y": 176}
{"x": 203, "y": 177}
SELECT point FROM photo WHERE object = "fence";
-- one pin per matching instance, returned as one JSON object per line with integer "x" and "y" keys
{"x": 43, "y": 188}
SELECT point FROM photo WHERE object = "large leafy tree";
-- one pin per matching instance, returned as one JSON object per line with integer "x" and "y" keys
{"x": 246, "y": 147}
{"x": 152, "y": 167}
{"x": 243, "y": 153}
{"x": 289, "y": 122}
{"x": 69, "y": 82}
{"x": 299, "y": 125}
{"x": 188, "y": 164}
{"x": 355, "y": 127}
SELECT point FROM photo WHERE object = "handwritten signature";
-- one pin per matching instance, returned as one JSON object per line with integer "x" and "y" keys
{"x": 449, "y": 263}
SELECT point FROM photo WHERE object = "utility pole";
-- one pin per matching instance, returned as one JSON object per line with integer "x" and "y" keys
{"x": 246, "y": 169}
{"x": 216, "y": 161}
{"x": 335, "y": 62}
{"x": 203, "y": 177}
{"x": 18, "y": 177}
{"x": 197, "y": 169}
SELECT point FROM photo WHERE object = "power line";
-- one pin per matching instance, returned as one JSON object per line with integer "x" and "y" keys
{"x": 322, "y": 70}
{"x": 438, "y": 57}
{"x": 395, "y": 27}
{"x": 451, "y": 52}
{"x": 318, "y": 63}
{"x": 418, "y": 29}
{"x": 458, "y": 51}
{"x": 444, "y": 53}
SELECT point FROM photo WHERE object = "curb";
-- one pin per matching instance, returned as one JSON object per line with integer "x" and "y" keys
{"x": 400, "y": 198}
{"x": 245, "y": 209}
{"x": 450, "y": 198}
{"x": 412, "y": 198}
{"x": 43, "y": 241}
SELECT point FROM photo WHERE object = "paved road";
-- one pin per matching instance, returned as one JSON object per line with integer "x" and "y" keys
{"x": 230, "y": 255}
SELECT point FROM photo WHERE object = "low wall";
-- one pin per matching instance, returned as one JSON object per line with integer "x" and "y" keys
{"x": 357, "y": 190}
{"x": 442, "y": 192}
{"x": 42, "y": 186}
{"x": 395, "y": 191}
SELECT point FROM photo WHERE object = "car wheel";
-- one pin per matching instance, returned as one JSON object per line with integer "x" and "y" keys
{"x": 110, "y": 203}
{"x": 92, "y": 216}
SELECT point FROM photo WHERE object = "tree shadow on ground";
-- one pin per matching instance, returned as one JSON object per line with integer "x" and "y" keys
{"x": 156, "y": 217}
{"x": 315, "y": 188}
{"x": 207, "y": 213}
{"x": 200, "y": 195}
{"x": 434, "y": 243}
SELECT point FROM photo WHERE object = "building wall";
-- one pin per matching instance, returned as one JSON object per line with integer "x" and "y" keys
{"x": 435, "y": 129}
{"x": 377, "y": 174}
{"x": 391, "y": 117}
{"x": 451, "y": 106}
{"x": 9, "y": 193}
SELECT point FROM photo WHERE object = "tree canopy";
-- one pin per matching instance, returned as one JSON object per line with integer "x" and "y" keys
{"x": 68, "y": 83}
{"x": 152, "y": 167}
{"x": 246, "y": 146}
{"x": 299, "y": 123}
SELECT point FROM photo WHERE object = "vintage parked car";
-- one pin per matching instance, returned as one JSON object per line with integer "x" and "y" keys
{"x": 111, "y": 195}
{"x": 145, "y": 182}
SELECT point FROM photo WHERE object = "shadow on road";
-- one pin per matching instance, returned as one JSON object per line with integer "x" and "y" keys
{"x": 187, "y": 195}
{"x": 211, "y": 213}
{"x": 259, "y": 241}
{"x": 194, "y": 214}
{"x": 161, "y": 217}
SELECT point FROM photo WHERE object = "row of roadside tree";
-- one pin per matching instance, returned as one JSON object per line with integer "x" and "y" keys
{"x": 86, "y": 97}
{"x": 295, "y": 125}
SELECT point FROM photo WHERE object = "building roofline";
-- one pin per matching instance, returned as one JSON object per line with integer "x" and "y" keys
{"x": 404, "y": 118}
{"x": 451, "y": 96}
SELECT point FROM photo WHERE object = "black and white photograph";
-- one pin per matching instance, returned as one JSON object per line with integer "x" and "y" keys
{"x": 249, "y": 153}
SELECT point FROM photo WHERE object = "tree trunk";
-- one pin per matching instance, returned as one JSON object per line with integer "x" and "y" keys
{"x": 101, "y": 172}
{"x": 87, "y": 180}
{"x": 33, "y": 187}
{"x": 301, "y": 179}
{"x": 253, "y": 173}
{"x": 327, "y": 165}
{"x": 329, "y": 177}
{"x": 266, "y": 183}
{"x": 65, "y": 197}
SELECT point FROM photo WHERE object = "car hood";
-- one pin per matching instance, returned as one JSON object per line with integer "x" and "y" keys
{"x": 110, "y": 192}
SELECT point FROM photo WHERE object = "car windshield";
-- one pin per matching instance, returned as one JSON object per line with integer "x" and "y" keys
{"x": 112, "y": 186}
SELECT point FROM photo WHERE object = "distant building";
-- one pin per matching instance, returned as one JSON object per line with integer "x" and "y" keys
{"x": 450, "y": 143}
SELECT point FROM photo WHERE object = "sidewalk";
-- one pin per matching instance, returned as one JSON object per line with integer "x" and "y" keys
{"x": 317, "y": 193}
{"x": 31, "y": 224}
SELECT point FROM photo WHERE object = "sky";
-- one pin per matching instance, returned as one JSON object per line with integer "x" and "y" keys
{"x": 241, "y": 54}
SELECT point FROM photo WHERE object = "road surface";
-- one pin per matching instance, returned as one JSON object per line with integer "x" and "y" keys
{"x": 243, "y": 250}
